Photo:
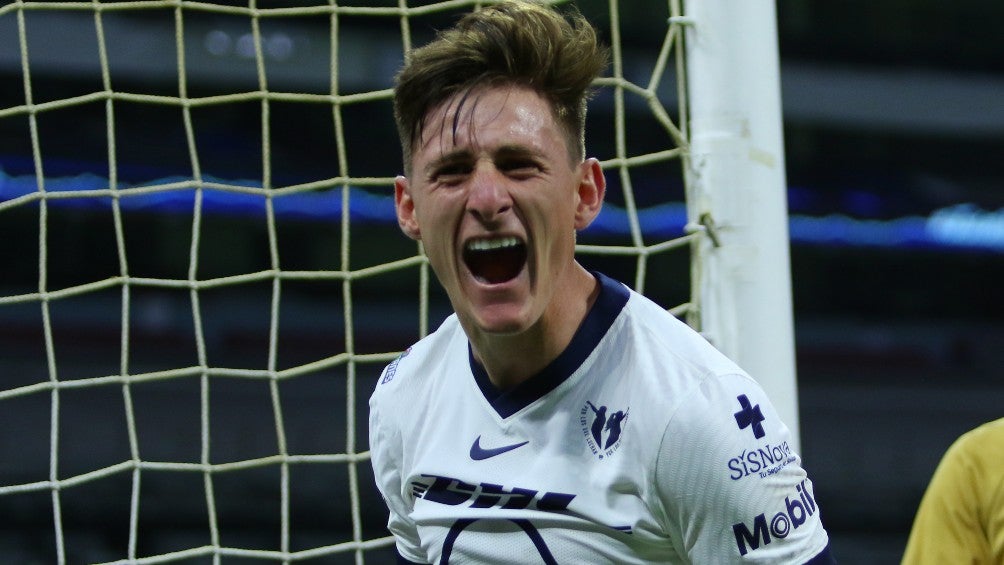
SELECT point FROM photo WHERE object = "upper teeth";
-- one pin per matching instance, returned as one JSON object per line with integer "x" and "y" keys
{"x": 489, "y": 244}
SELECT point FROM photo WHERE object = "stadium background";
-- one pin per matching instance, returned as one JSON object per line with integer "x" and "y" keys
{"x": 893, "y": 127}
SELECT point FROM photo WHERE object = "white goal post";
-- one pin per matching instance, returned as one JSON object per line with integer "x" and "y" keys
{"x": 738, "y": 189}
{"x": 185, "y": 356}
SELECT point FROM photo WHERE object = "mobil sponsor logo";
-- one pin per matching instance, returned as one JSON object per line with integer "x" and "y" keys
{"x": 766, "y": 527}
{"x": 763, "y": 461}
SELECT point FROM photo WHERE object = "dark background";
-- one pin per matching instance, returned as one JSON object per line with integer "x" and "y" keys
{"x": 893, "y": 114}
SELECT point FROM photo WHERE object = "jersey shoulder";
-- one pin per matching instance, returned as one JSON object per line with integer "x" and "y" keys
{"x": 425, "y": 360}
{"x": 685, "y": 340}
{"x": 984, "y": 443}
{"x": 971, "y": 465}
{"x": 668, "y": 342}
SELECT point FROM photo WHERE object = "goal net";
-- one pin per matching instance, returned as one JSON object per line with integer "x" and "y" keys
{"x": 202, "y": 275}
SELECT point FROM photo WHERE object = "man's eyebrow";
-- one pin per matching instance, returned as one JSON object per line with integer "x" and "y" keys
{"x": 507, "y": 151}
{"x": 447, "y": 159}
{"x": 515, "y": 150}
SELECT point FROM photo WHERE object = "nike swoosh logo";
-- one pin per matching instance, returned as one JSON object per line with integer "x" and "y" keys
{"x": 479, "y": 453}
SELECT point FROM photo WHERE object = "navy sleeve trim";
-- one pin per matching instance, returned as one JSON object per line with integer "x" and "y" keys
{"x": 822, "y": 558}
{"x": 402, "y": 561}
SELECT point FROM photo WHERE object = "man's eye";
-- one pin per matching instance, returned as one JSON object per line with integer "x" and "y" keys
{"x": 451, "y": 173}
{"x": 519, "y": 166}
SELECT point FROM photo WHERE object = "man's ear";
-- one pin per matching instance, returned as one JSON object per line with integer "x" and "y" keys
{"x": 592, "y": 188}
{"x": 404, "y": 206}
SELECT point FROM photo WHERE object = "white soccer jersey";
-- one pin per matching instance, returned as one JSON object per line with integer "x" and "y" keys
{"x": 640, "y": 443}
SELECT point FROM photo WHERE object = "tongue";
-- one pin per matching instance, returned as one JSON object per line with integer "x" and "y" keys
{"x": 496, "y": 266}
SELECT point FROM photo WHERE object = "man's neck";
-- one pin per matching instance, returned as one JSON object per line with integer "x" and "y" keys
{"x": 513, "y": 358}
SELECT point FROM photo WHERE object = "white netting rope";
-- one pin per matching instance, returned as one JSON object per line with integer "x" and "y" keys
{"x": 621, "y": 163}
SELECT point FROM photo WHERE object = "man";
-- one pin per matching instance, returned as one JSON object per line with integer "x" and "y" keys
{"x": 557, "y": 417}
{"x": 961, "y": 517}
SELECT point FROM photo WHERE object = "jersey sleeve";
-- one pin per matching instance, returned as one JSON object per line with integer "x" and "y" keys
{"x": 386, "y": 449}
{"x": 730, "y": 484}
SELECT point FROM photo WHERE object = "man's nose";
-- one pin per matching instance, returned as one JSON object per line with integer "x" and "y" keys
{"x": 489, "y": 197}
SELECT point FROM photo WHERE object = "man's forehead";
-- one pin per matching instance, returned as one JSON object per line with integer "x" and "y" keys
{"x": 513, "y": 111}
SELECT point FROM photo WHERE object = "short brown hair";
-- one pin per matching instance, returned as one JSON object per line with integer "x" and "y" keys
{"x": 516, "y": 42}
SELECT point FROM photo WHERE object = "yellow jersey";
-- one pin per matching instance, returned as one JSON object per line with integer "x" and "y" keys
{"x": 961, "y": 516}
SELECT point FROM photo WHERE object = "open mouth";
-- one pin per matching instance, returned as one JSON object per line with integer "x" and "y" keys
{"x": 495, "y": 260}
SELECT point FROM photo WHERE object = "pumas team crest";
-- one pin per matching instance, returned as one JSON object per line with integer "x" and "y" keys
{"x": 602, "y": 428}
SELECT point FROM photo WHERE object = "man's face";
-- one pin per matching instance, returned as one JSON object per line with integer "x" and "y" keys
{"x": 496, "y": 201}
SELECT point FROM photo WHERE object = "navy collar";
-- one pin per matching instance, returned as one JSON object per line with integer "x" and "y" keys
{"x": 611, "y": 300}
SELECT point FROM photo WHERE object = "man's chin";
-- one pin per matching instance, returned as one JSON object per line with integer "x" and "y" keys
{"x": 499, "y": 320}
{"x": 502, "y": 326}
{"x": 496, "y": 309}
